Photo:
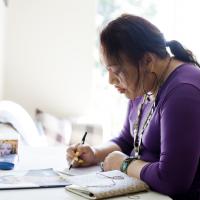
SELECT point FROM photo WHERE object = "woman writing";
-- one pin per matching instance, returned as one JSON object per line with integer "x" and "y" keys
{"x": 160, "y": 140}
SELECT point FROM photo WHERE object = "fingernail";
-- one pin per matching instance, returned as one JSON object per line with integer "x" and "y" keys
{"x": 76, "y": 158}
{"x": 80, "y": 161}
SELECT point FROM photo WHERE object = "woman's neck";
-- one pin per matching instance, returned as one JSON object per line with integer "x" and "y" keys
{"x": 164, "y": 69}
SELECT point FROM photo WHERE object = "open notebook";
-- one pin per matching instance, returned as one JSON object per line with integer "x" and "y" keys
{"x": 100, "y": 185}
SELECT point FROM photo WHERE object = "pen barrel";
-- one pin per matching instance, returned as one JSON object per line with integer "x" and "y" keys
{"x": 76, "y": 158}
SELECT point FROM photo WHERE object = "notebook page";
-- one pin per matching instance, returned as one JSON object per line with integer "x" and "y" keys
{"x": 81, "y": 170}
{"x": 109, "y": 183}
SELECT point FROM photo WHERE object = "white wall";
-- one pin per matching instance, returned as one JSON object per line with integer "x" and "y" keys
{"x": 49, "y": 54}
{"x": 2, "y": 34}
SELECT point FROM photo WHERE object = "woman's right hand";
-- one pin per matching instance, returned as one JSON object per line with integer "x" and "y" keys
{"x": 85, "y": 154}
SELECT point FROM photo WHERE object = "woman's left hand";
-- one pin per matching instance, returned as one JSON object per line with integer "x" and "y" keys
{"x": 114, "y": 160}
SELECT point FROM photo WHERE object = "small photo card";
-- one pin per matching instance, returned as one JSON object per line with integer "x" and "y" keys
{"x": 8, "y": 147}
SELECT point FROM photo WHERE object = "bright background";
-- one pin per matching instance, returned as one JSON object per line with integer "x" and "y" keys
{"x": 49, "y": 55}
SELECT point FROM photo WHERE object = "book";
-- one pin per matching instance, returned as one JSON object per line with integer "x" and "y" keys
{"x": 100, "y": 185}
{"x": 36, "y": 178}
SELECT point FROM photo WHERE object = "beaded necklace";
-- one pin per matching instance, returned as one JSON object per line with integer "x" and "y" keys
{"x": 136, "y": 126}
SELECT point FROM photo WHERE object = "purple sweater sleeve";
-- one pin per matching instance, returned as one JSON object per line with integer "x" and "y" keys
{"x": 125, "y": 140}
{"x": 180, "y": 142}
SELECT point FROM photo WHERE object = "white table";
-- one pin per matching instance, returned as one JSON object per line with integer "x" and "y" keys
{"x": 45, "y": 157}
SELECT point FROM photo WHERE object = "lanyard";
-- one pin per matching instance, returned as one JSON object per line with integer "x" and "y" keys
{"x": 136, "y": 127}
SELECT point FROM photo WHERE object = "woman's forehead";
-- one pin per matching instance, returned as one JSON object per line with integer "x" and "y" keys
{"x": 120, "y": 60}
{"x": 108, "y": 59}
{"x": 111, "y": 61}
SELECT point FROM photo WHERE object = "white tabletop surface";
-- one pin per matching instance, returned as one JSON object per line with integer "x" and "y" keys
{"x": 45, "y": 157}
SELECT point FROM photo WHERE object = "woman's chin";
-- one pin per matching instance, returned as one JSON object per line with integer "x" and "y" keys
{"x": 130, "y": 96}
{"x": 126, "y": 93}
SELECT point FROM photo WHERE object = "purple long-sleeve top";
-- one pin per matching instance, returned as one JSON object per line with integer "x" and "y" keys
{"x": 171, "y": 141}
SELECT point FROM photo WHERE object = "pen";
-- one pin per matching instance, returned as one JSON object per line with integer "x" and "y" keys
{"x": 76, "y": 158}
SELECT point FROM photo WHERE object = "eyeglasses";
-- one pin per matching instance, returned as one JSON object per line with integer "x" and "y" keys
{"x": 114, "y": 69}
{"x": 118, "y": 72}
{"x": 111, "y": 178}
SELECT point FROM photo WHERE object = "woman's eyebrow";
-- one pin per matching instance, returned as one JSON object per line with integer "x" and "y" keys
{"x": 112, "y": 65}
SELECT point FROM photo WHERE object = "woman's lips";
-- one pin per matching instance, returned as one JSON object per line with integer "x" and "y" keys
{"x": 121, "y": 90}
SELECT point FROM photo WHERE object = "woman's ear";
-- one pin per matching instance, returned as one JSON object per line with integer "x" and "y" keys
{"x": 148, "y": 61}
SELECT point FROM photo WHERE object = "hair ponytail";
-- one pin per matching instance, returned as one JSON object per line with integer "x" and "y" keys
{"x": 133, "y": 36}
{"x": 181, "y": 53}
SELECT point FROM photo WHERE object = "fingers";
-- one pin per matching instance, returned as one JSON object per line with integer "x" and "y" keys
{"x": 81, "y": 155}
{"x": 76, "y": 150}
{"x": 71, "y": 152}
{"x": 80, "y": 161}
{"x": 81, "y": 149}
{"x": 74, "y": 153}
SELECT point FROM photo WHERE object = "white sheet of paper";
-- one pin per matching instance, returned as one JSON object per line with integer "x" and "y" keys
{"x": 80, "y": 170}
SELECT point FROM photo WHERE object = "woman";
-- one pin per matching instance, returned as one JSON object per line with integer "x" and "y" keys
{"x": 160, "y": 140}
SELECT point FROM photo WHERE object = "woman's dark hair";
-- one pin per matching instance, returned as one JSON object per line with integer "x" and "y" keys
{"x": 132, "y": 36}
